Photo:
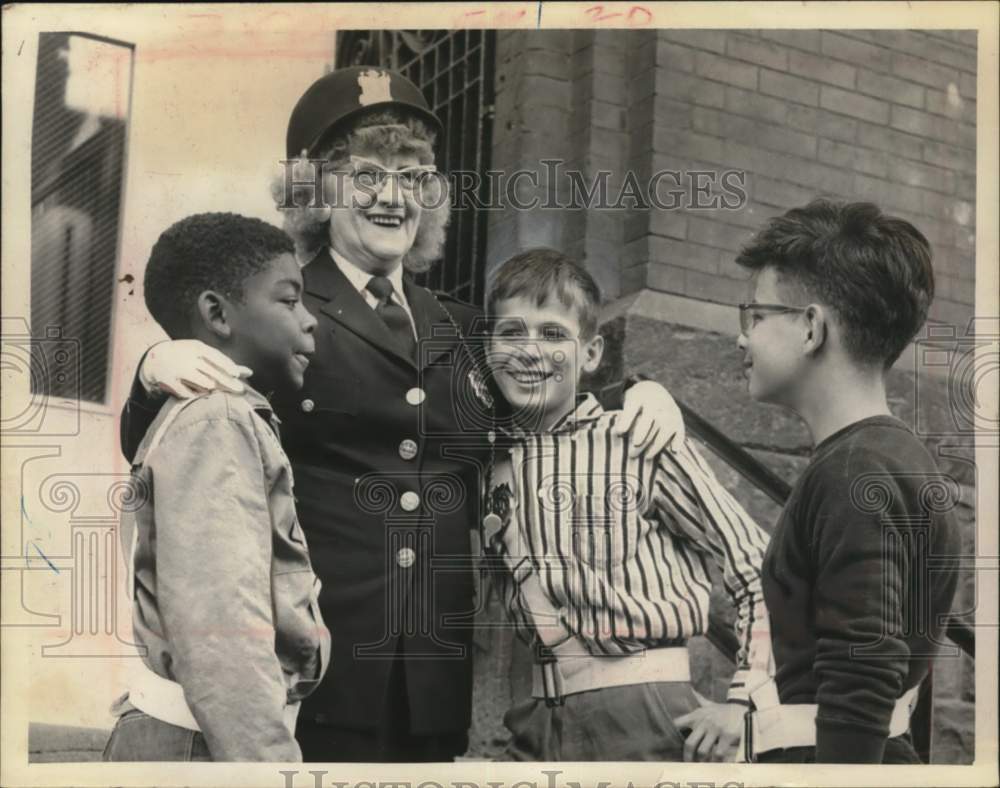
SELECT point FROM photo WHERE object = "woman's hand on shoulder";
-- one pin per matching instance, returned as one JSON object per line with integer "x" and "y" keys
{"x": 185, "y": 368}
{"x": 651, "y": 419}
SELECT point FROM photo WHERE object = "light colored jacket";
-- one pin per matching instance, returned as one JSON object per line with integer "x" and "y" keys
{"x": 225, "y": 599}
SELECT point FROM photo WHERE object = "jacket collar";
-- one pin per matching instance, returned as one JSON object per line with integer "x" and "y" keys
{"x": 260, "y": 404}
{"x": 360, "y": 278}
{"x": 427, "y": 313}
{"x": 171, "y": 408}
{"x": 587, "y": 409}
{"x": 344, "y": 303}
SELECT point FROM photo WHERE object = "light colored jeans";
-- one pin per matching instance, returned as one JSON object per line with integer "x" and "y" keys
{"x": 629, "y": 723}
{"x": 139, "y": 737}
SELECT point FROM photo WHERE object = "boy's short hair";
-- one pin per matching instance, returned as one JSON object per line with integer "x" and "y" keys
{"x": 874, "y": 271}
{"x": 541, "y": 274}
{"x": 206, "y": 251}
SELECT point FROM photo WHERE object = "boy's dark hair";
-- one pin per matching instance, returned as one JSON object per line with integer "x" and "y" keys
{"x": 206, "y": 251}
{"x": 540, "y": 274}
{"x": 874, "y": 271}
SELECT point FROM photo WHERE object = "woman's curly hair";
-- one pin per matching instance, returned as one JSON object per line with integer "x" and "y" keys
{"x": 381, "y": 133}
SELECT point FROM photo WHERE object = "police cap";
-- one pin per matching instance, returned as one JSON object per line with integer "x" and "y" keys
{"x": 342, "y": 95}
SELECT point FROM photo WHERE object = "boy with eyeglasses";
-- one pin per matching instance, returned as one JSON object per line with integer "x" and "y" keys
{"x": 839, "y": 290}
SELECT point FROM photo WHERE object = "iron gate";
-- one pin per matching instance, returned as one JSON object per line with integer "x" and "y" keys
{"x": 454, "y": 69}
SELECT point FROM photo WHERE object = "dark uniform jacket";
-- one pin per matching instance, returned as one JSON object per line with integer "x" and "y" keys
{"x": 387, "y": 456}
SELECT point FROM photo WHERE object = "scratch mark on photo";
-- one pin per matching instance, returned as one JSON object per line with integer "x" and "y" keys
{"x": 52, "y": 566}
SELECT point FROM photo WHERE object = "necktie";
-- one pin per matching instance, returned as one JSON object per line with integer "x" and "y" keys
{"x": 393, "y": 315}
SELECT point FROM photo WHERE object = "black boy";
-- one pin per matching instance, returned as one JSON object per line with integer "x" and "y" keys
{"x": 225, "y": 602}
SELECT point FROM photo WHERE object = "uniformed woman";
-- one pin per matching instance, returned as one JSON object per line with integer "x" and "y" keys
{"x": 387, "y": 436}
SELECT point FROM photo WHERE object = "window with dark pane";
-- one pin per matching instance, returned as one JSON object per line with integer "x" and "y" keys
{"x": 454, "y": 68}
{"x": 79, "y": 128}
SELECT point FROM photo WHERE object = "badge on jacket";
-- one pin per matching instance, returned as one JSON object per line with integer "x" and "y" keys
{"x": 479, "y": 387}
{"x": 499, "y": 509}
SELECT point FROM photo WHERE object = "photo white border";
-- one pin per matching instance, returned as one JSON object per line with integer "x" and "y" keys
{"x": 121, "y": 21}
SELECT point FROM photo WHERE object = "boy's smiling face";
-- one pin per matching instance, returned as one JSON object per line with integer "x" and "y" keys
{"x": 271, "y": 330}
{"x": 537, "y": 357}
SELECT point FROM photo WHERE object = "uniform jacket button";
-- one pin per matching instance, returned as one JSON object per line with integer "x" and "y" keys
{"x": 408, "y": 449}
{"x": 405, "y": 557}
{"x": 415, "y": 396}
{"x": 409, "y": 501}
{"x": 308, "y": 405}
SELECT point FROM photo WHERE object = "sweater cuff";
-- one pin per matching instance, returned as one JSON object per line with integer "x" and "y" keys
{"x": 836, "y": 743}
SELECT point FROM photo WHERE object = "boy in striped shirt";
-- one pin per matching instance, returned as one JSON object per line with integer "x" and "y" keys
{"x": 603, "y": 558}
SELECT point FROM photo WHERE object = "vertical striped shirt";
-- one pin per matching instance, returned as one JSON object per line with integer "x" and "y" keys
{"x": 621, "y": 546}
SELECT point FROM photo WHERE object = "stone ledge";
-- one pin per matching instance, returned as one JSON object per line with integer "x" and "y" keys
{"x": 49, "y": 743}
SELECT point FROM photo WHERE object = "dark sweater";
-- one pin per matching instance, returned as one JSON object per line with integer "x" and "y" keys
{"x": 855, "y": 612}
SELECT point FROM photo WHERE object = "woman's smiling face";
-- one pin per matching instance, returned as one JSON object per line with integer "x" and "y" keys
{"x": 374, "y": 220}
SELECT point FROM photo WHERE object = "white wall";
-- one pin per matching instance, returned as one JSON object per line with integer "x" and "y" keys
{"x": 211, "y": 94}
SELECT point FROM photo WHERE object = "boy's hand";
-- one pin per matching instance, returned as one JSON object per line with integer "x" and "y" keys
{"x": 715, "y": 731}
{"x": 185, "y": 368}
{"x": 652, "y": 419}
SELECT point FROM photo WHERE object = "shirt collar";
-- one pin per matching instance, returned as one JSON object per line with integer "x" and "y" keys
{"x": 259, "y": 403}
{"x": 360, "y": 278}
{"x": 587, "y": 409}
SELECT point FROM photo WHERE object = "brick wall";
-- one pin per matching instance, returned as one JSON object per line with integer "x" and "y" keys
{"x": 887, "y": 116}
{"x": 562, "y": 95}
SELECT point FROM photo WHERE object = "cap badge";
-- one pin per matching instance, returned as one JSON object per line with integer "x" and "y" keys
{"x": 374, "y": 87}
